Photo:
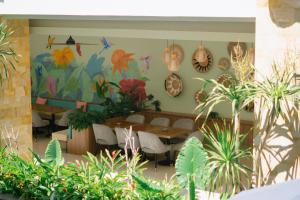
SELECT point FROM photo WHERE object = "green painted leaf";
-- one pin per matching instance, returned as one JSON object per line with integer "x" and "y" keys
{"x": 87, "y": 94}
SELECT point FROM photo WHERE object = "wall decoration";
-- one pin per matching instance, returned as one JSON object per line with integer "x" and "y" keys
{"x": 120, "y": 59}
{"x": 249, "y": 107}
{"x": 251, "y": 55}
{"x": 63, "y": 57}
{"x": 236, "y": 49}
{"x": 78, "y": 49}
{"x": 225, "y": 79}
{"x": 173, "y": 56}
{"x": 50, "y": 42}
{"x": 202, "y": 59}
{"x": 146, "y": 62}
{"x": 200, "y": 96}
{"x": 173, "y": 85}
{"x": 224, "y": 63}
{"x": 105, "y": 43}
{"x": 51, "y": 86}
{"x": 62, "y": 76}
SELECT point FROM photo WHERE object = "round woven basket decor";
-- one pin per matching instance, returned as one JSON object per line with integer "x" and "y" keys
{"x": 203, "y": 64}
{"x": 173, "y": 85}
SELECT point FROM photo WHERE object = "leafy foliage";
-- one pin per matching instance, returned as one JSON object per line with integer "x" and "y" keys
{"x": 95, "y": 178}
{"x": 53, "y": 152}
{"x": 191, "y": 168}
{"x": 227, "y": 173}
{"x": 7, "y": 55}
{"x": 126, "y": 103}
{"x": 80, "y": 120}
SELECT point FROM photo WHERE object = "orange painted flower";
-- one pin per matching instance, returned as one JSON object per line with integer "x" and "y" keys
{"x": 120, "y": 59}
{"x": 63, "y": 57}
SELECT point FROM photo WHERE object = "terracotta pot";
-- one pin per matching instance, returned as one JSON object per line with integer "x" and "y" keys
{"x": 82, "y": 142}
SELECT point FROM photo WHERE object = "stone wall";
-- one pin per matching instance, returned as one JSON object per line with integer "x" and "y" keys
{"x": 277, "y": 32}
{"x": 15, "y": 93}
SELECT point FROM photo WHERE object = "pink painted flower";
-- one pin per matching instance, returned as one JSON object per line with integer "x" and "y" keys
{"x": 51, "y": 83}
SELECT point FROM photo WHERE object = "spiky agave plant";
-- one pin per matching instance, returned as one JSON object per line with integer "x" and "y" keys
{"x": 227, "y": 172}
{"x": 7, "y": 55}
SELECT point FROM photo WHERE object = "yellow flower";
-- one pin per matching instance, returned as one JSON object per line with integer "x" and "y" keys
{"x": 63, "y": 57}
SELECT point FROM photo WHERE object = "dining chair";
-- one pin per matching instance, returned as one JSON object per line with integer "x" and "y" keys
{"x": 63, "y": 121}
{"x": 184, "y": 123}
{"x": 104, "y": 135}
{"x": 196, "y": 134}
{"x": 151, "y": 144}
{"x": 38, "y": 122}
{"x": 160, "y": 121}
{"x": 136, "y": 118}
{"x": 122, "y": 134}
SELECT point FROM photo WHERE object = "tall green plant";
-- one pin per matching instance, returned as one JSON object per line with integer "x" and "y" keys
{"x": 227, "y": 174}
{"x": 239, "y": 95}
{"x": 7, "y": 54}
{"x": 191, "y": 171}
{"x": 278, "y": 95}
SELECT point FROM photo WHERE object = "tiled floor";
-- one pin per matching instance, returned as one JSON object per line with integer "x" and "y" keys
{"x": 162, "y": 172}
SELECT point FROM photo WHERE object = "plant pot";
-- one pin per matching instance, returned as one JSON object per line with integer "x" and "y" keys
{"x": 82, "y": 142}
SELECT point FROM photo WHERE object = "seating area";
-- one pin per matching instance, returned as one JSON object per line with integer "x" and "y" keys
{"x": 149, "y": 100}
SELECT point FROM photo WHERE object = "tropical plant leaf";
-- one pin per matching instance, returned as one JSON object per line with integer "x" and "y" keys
{"x": 192, "y": 162}
{"x": 146, "y": 185}
{"x": 53, "y": 152}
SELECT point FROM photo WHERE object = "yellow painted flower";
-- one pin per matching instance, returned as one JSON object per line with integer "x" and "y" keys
{"x": 63, "y": 57}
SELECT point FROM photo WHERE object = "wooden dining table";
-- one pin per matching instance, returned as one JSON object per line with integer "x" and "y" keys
{"x": 49, "y": 112}
{"x": 162, "y": 132}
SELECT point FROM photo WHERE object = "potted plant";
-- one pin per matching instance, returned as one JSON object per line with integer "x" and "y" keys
{"x": 81, "y": 137}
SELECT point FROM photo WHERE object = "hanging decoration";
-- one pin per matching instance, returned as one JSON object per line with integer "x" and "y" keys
{"x": 120, "y": 60}
{"x": 63, "y": 57}
{"x": 202, "y": 59}
{"x": 173, "y": 56}
{"x": 226, "y": 79}
{"x": 105, "y": 43}
{"x": 70, "y": 41}
{"x": 236, "y": 49}
{"x": 146, "y": 62}
{"x": 251, "y": 55}
{"x": 200, "y": 96}
{"x": 173, "y": 85}
{"x": 224, "y": 63}
{"x": 249, "y": 107}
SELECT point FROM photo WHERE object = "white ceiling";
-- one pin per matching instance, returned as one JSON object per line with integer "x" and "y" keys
{"x": 173, "y": 10}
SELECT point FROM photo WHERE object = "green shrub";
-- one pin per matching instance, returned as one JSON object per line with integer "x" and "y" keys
{"x": 228, "y": 174}
{"x": 104, "y": 178}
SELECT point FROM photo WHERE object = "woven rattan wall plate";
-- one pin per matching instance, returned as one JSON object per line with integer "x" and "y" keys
{"x": 225, "y": 79}
{"x": 173, "y": 85}
{"x": 224, "y": 63}
{"x": 204, "y": 64}
{"x": 200, "y": 96}
{"x": 236, "y": 49}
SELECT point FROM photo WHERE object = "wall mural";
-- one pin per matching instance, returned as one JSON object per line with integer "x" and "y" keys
{"x": 61, "y": 74}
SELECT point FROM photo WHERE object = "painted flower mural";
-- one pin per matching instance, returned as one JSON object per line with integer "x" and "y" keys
{"x": 62, "y": 74}
{"x": 120, "y": 59}
{"x": 63, "y": 57}
{"x": 135, "y": 88}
